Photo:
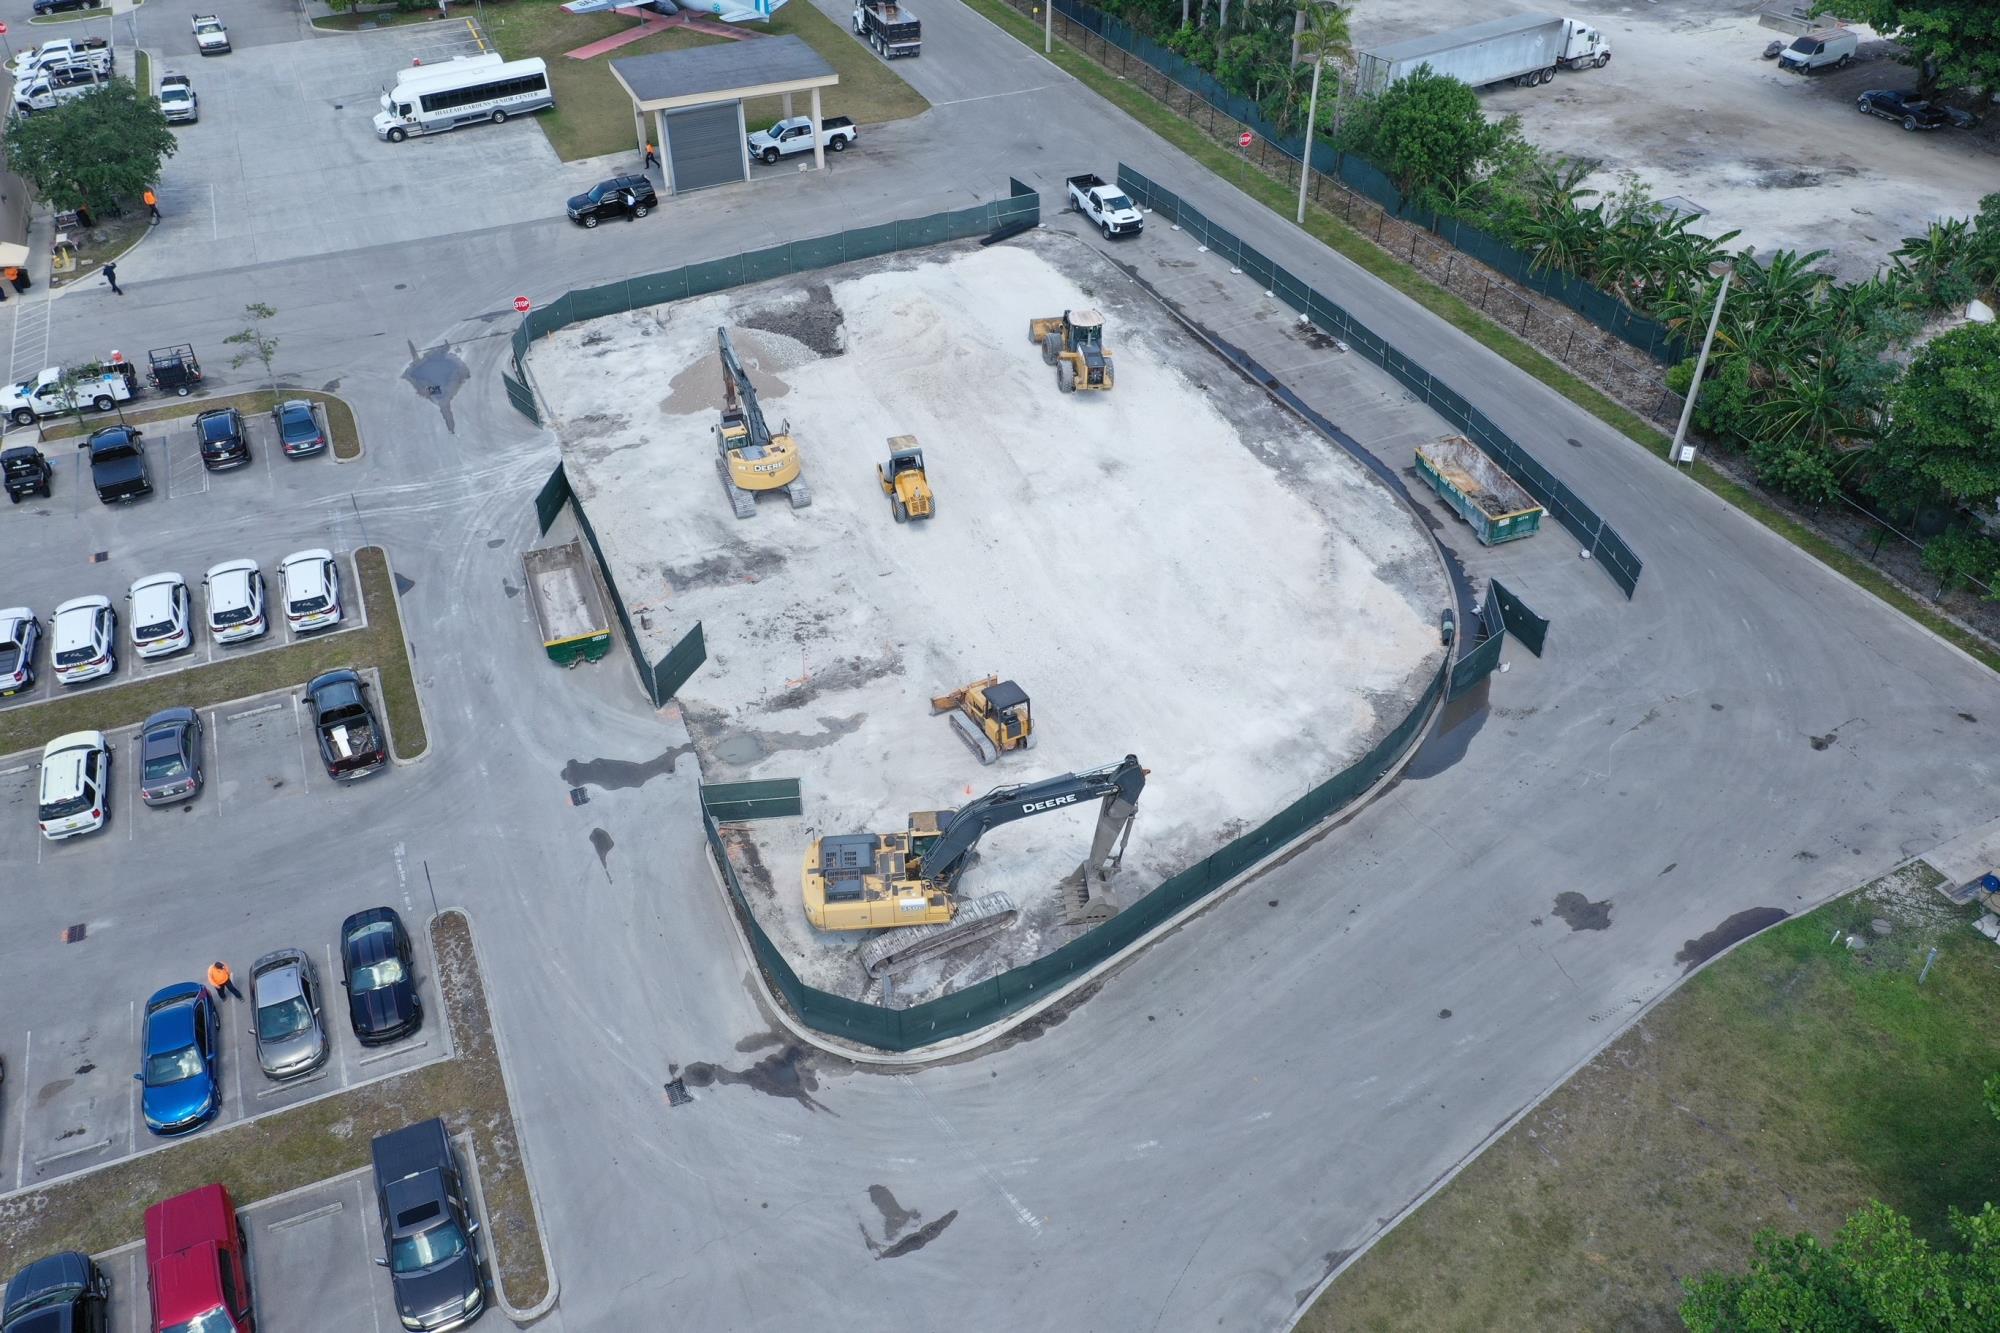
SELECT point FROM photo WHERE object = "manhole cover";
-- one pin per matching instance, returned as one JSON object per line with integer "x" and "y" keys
{"x": 677, "y": 1093}
{"x": 578, "y": 796}
{"x": 73, "y": 933}
{"x": 99, "y": 557}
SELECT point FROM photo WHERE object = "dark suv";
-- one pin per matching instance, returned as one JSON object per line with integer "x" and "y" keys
{"x": 223, "y": 443}
{"x": 621, "y": 196}
{"x": 64, "y": 1293}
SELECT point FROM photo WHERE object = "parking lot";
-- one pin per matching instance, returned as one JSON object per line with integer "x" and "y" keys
{"x": 312, "y": 1263}
{"x": 113, "y": 577}
{"x": 70, "y": 1098}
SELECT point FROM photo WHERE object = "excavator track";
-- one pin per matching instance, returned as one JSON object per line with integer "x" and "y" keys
{"x": 798, "y": 492}
{"x": 742, "y": 501}
{"x": 898, "y": 950}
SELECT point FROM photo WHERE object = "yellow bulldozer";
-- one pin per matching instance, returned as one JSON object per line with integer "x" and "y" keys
{"x": 991, "y": 716}
{"x": 750, "y": 457}
{"x": 1073, "y": 342}
{"x": 904, "y": 480}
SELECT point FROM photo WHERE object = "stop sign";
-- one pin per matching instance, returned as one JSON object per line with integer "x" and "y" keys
{"x": 1243, "y": 139}
{"x": 3, "y": 28}
{"x": 521, "y": 304}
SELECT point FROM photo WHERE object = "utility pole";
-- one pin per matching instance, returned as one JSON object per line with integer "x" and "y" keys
{"x": 1048, "y": 26}
{"x": 1677, "y": 454}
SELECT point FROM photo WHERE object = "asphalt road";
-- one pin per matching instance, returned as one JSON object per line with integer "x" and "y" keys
{"x": 1196, "y": 1145}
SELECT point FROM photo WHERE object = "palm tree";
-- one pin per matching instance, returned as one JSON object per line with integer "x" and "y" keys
{"x": 1556, "y": 184}
{"x": 1325, "y": 35}
{"x": 1934, "y": 263}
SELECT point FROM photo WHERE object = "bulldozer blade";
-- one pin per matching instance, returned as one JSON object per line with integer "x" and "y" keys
{"x": 903, "y": 948}
{"x": 975, "y": 739}
{"x": 941, "y": 703}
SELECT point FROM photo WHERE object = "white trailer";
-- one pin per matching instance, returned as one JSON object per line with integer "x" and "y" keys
{"x": 1526, "y": 50}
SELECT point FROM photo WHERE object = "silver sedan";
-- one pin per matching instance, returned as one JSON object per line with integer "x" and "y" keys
{"x": 284, "y": 989}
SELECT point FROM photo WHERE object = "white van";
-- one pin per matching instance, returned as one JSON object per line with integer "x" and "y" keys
{"x": 1823, "y": 48}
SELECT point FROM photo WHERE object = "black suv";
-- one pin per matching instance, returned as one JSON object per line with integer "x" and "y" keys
{"x": 64, "y": 1293}
{"x": 621, "y": 196}
{"x": 26, "y": 471}
{"x": 223, "y": 443}
{"x": 58, "y": 6}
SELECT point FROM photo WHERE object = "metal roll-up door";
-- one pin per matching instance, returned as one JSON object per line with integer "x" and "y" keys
{"x": 705, "y": 146}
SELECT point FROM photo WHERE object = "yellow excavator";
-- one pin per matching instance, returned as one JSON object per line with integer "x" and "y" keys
{"x": 909, "y": 880}
{"x": 1073, "y": 342}
{"x": 990, "y": 715}
{"x": 752, "y": 458}
{"x": 904, "y": 480}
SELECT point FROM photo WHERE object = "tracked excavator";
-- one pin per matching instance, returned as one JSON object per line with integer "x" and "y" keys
{"x": 751, "y": 458}
{"x": 908, "y": 881}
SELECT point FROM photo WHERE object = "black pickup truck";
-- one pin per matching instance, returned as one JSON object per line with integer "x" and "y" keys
{"x": 350, "y": 739}
{"x": 429, "y": 1233}
{"x": 118, "y": 464}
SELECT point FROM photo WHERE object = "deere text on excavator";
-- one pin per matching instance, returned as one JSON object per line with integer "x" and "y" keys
{"x": 750, "y": 458}
{"x": 1073, "y": 342}
{"x": 990, "y": 715}
{"x": 909, "y": 880}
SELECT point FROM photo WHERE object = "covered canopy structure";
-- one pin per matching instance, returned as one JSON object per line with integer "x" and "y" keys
{"x": 690, "y": 103}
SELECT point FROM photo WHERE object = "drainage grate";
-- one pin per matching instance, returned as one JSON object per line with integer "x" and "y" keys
{"x": 677, "y": 1093}
{"x": 578, "y": 796}
{"x": 99, "y": 557}
{"x": 74, "y": 933}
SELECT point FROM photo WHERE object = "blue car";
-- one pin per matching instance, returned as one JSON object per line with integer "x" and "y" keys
{"x": 181, "y": 1051}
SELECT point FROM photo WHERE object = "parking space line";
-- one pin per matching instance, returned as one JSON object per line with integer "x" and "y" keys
{"x": 390, "y": 1055}
{"x": 21, "y": 1149}
{"x": 289, "y": 1084}
{"x": 299, "y": 724}
{"x": 254, "y": 712}
{"x": 132, "y": 1094}
{"x": 215, "y": 733}
{"x": 310, "y": 1215}
{"x": 73, "y": 1152}
{"x": 340, "y": 1043}
{"x": 10, "y": 772}
{"x": 367, "y": 1238}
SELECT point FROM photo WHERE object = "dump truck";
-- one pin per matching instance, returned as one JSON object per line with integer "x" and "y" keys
{"x": 1498, "y": 507}
{"x": 568, "y": 611}
{"x": 1525, "y": 49}
{"x": 891, "y": 29}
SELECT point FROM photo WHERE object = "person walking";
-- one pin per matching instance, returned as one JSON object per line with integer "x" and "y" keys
{"x": 153, "y": 204}
{"x": 652, "y": 157}
{"x": 218, "y": 979}
{"x": 111, "y": 276}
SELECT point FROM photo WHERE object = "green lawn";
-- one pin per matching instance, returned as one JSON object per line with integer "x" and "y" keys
{"x": 1783, "y": 1087}
{"x": 593, "y": 115}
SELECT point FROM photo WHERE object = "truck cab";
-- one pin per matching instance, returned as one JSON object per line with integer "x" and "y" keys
{"x": 195, "y": 1267}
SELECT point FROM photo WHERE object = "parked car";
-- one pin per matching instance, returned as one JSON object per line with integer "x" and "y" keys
{"x": 299, "y": 434}
{"x": 236, "y": 602}
{"x": 118, "y": 464}
{"x": 196, "y": 1264}
{"x": 178, "y": 102}
{"x": 26, "y": 472}
{"x": 311, "y": 581}
{"x": 1911, "y": 111}
{"x": 380, "y": 979}
{"x": 62, "y": 1293}
{"x": 19, "y": 633}
{"x": 181, "y": 1055}
{"x": 224, "y": 443}
{"x": 350, "y": 737}
{"x": 84, "y": 639}
{"x": 429, "y": 1233}
{"x": 75, "y": 795}
{"x": 63, "y": 6}
{"x": 162, "y": 615}
{"x": 210, "y": 37}
{"x": 284, "y": 990}
{"x": 619, "y": 197}
{"x": 1822, "y": 48}
{"x": 170, "y": 769}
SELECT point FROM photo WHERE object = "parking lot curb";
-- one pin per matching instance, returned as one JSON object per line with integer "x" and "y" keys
{"x": 507, "y": 1307}
{"x": 396, "y": 757}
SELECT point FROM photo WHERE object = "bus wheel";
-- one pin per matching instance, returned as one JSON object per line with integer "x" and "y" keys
{"x": 499, "y": 116}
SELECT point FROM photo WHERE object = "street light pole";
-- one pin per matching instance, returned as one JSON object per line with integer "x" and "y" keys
{"x": 1306, "y": 154}
{"x": 1048, "y": 26}
{"x": 1700, "y": 364}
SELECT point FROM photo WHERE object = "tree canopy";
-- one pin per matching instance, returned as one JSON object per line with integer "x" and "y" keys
{"x": 1428, "y": 133}
{"x": 1953, "y": 43}
{"x": 1942, "y": 440}
{"x": 94, "y": 151}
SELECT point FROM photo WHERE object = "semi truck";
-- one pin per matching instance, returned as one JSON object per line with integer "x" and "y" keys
{"x": 1526, "y": 50}
{"x": 889, "y": 28}
{"x": 568, "y": 611}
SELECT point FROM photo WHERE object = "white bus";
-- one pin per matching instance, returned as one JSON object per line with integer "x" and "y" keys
{"x": 428, "y": 99}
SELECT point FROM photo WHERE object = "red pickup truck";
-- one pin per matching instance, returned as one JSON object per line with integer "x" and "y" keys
{"x": 194, "y": 1265}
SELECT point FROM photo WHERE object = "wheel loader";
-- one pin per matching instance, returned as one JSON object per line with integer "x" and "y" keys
{"x": 991, "y": 716}
{"x": 904, "y": 480}
{"x": 1073, "y": 342}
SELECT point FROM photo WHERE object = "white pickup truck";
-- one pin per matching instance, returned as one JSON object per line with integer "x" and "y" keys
{"x": 1106, "y": 205}
{"x": 178, "y": 102}
{"x": 86, "y": 53}
{"x": 210, "y": 37}
{"x": 795, "y": 136}
{"x": 46, "y": 90}
{"x": 98, "y": 388}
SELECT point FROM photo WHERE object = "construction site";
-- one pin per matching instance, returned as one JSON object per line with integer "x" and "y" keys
{"x": 965, "y": 519}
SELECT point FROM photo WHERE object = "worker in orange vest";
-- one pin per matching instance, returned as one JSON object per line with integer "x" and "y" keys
{"x": 153, "y": 203}
{"x": 218, "y": 978}
{"x": 652, "y": 157}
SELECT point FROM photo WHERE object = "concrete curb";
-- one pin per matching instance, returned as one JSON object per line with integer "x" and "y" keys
{"x": 548, "y": 1301}
{"x": 313, "y": 23}
{"x": 395, "y": 756}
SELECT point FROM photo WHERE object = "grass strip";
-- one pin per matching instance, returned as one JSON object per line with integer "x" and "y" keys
{"x": 1784, "y": 1086}
{"x": 328, "y": 1137}
{"x": 380, "y": 642}
{"x": 344, "y": 439}
{"x": 366, "y": 20}
{"x": 71, "y": 16}
{"x": 1282, "y": 198}
{"x": 142, "y": 73}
